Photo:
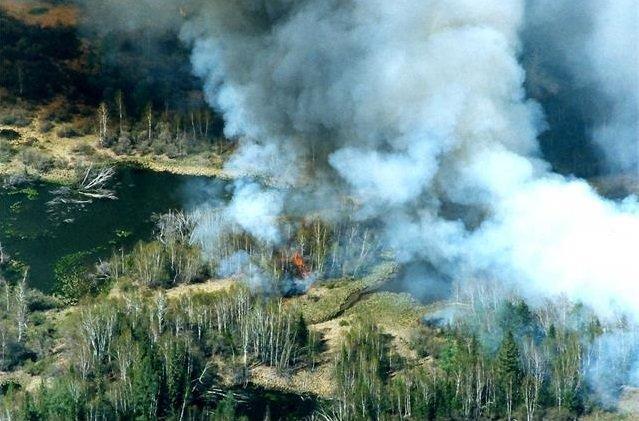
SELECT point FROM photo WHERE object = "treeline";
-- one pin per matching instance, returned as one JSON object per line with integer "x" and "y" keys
{"x": 35, "y": 60}
{"x": 40, "y": 62}
{"x": 180, "y": 254}
{"x": 162, "y": 109}
{"x": 554, "y": 362}
{"x": 170, "y": 131}
{"x": 151, "y": 357}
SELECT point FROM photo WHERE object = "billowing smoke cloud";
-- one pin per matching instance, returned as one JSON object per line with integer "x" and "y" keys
{"x": 415, "y": 108}
{"x": 592, "y": 47}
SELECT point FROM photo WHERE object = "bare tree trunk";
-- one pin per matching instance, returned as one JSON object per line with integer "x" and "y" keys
{"x": 103, "y": 120}
{"x": 3, "y": 256}
{"x": 149, "y": 121}
{"x": 120, "y": 101}
{"x": 20, "y": 69}
{"x": 21, "y": 308}
{"x": 193, "y": 124}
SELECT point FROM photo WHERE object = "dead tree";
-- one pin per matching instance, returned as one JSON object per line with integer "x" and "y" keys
{"x": 119, "y": 99}
{"x": 149, "y": 121}
{"x": 21, "y": 308}
{"x": 4, "y": 258}
{"x": 93, "y": 183}
{"x": 103, "y": 121}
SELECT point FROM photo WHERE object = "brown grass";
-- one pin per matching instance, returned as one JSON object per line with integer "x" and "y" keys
{"x": 55, "y": 15}
{"x": 70, "y": 150}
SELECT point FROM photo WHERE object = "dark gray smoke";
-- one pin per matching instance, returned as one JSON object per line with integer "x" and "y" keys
{"x": 587, "y": 56}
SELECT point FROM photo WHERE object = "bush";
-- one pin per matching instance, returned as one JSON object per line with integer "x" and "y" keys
{"x": 62, "y": 115}
{"x": 40, "y": 161}
{"x": 6, "y": 151}
{"x": 31, "y": 141}
{"x": 46, "y": 126}
{"x": 123, "y": 145}
{"x": 84, "y": 148}
{"x": 9, "y": 134}
{"x": 39, "y": 301}
{"x": 17, "y": 353}
{"x": 67, "y": 132}
{"x": 85, "y": 126}
{"x": 15, "y": 120}
{"x": 14, "y": 180}
{"x": 39, "y": 10}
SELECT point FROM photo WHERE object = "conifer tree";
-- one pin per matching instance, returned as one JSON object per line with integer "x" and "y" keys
{"x": 509, "y": 371}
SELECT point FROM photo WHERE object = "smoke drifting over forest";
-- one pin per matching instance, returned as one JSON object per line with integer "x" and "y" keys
{"x": 418, "y": 111}
{"x": 412, "y": 106}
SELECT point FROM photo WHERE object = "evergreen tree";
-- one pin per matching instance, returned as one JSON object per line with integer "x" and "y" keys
{"x": 301, "y": 332}
{"x": 145, "y": 385}
{"x": 509, "y": 371}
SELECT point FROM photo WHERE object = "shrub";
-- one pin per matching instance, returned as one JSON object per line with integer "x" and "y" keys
{"x": 9, "y": 134}
{"x": 84, "y": 149}
{"x": 14, "y": 180}
{"x": 39, "y": 301}
{"x": 40, "y": 161}
{"x": 15, "y": 120}
{"x": 39, "y": 10}
{"x": 67, "y": 132}
{"x": 31, "y": 141}
{"x": 6, "y": 151}
{"x": 46, "y": 126}
{"x": 123, "y": 144}
{"x": 17, "y": 353}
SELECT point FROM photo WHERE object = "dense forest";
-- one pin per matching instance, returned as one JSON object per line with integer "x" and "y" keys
{"x": 186, "y": 313}
{"x": 129, "y": 348}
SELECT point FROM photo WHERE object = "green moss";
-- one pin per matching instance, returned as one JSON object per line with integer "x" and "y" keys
{"x": 16, "y": 207}
{"x": 30, "y": 192}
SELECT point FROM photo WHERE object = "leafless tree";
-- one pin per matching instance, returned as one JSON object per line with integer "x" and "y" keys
{"x": 22, "y": 308}
{"x": 535, "y": 366}
{"x": 149, "y": 122}
{"x": 103, "y": 121}
{"x": 92, "y": 185}
{"x": 119, "y": 99}
{"x": 94, "y": 182}
{"x": 20, "y": 70}
{"x": 97, "y": 327}
{"x": 3, "y": 255}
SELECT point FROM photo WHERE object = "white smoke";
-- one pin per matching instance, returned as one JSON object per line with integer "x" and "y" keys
{"x": 414, "y": 107}
{"x": 256, "y": 210}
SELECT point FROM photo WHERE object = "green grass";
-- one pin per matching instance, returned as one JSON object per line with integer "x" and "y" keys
{"x": 327, "y": 300}
{"x": 388, "y": 309}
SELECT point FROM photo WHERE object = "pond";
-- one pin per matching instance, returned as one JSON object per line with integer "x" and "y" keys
{"x": 38, "y": 235}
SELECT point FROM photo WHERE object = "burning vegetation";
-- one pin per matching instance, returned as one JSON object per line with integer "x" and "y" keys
{"x": 366, "y": 145}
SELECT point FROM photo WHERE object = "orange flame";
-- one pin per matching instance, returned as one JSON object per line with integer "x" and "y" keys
{"x": 300, "y": 266}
